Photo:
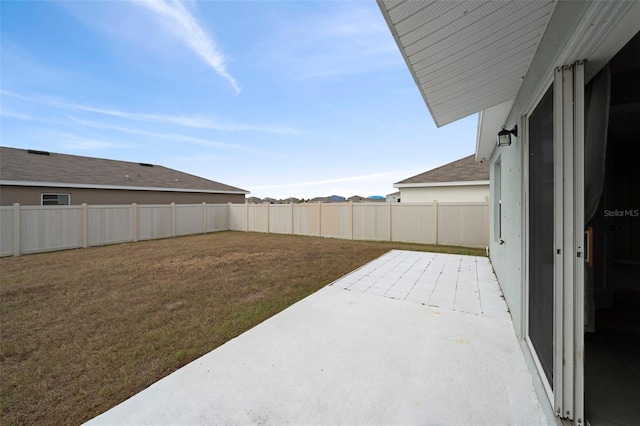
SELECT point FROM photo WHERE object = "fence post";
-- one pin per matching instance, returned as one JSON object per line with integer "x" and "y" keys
{"x": 204, "y": 217}
{"x": 435, "y": 221}
{"x": 173, "y": 219}
{"x": 16, "y": 229}
{"x": 134, "y": 221}
{"x": 390, "y": 222}
{"x": 268, "y": 218}
{"x": 292, "y": 219}
{"x": 85, "y": 225}
{"x": 319, "y": 219}
{"x": 246, "y": 217}
{"x": 351, "y": 216}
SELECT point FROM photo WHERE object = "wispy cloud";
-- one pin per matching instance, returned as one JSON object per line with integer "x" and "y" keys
{"x": 168, "y": 136}
{"x": 187, "y": 121}
{"x": 335, "y": 42}
{"x": 188, "y": 29}
{"x": 74, "y": 121}
{"x": 72, "y": 141}
{"x": 18, "y": 115}
{"x": 386, "y": 176}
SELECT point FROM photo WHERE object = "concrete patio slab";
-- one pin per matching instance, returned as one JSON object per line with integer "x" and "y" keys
{"x": 356, "y": 357}
{"x": 455, "y": 282}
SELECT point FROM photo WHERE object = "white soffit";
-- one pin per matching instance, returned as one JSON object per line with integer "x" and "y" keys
{"x": 467, "y": 56}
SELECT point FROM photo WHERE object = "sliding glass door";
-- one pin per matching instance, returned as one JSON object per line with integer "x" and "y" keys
{"x": 541, "y": 225}
{"x": 555, "y": 239}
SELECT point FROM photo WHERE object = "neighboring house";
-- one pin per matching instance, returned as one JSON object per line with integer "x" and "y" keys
{"x": 254, "y": 200}
{"x": 356, "y": 199}
{"x": 32, "y": 177}
{"x": 329, "y": 199}
{"x": 377, "y": 199}
{"x": 464, "y": 180}
{"x": 394, "y": 197}
{"x": 558, "y": 81}
{"x": 320, "y": 200}
{"x": 290, "y": 200}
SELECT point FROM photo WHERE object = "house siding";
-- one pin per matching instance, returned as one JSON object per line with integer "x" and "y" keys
{"x": 31, "y": 196}
{"x": 447, "y": 194}
{"x": 508, "y": 258}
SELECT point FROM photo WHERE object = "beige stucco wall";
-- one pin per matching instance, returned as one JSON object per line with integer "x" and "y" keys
{"x": 31, "y": 196}
{"x": 451, "y": 194}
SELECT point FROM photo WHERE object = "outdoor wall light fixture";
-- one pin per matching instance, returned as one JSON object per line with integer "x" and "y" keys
{"x": 504, "y": 135}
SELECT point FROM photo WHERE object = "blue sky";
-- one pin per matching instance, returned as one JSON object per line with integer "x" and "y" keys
{"x": 282, "y": 98}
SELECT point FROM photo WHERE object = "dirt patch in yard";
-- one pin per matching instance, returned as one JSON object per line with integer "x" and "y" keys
{"x": 83, "y": 330}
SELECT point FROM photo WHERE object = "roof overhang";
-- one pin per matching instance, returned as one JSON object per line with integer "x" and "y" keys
{"x": 491, "y": 56}
{"x": 441, "y": 184}
{"x": 590, "y": 31}
{"x": 467, "y": 56}
{"x": 118, "y": 187}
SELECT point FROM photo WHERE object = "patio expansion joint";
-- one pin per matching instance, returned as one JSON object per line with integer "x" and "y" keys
{"x": 403, "y": 274}
{"x": 478, "y": 286}
{"x": 455, "y": 294}
{"x": 436, "y": 283}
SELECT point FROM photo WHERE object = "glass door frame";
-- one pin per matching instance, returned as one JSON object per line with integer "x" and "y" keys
{"x": 567, "y": 392}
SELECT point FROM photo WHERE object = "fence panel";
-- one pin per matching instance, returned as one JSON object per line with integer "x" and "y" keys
{"x": 189, "y": 219}
{"x": 218, "y": 217}
{"x": 258, "y": 218}
{"x": 110, "y": 224}
{"x": 413, "y": 223}
{"x": 6, "y": 231}
{"x": 237, "y": 217}
{"x": 463, "y": 224}
{"x": 50, "y": 228}
{"x": 335, "y": 220}
{"x": 306, "y": 219}
{"x": 154, "y": 221}
{"x": 280, "y": 219}
{"x": 371, "y": 221}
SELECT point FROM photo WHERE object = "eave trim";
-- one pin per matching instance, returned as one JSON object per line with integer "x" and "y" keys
{"x": 117, "y": 187}
{"x": 441, "y": 184}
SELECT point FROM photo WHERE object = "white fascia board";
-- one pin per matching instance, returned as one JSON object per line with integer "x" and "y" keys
{"x": 490, "y": 122}
{"x": 441, "y": 184}
{"x": 130, "y": 188}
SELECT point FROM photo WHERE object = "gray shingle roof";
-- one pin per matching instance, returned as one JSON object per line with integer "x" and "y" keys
{"x": 21, "y": 165}
{"x": 463, "y": 170}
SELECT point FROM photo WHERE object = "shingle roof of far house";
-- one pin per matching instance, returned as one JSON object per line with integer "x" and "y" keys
{"x": 28, "y": 167}
{"x": 463, "y": 170}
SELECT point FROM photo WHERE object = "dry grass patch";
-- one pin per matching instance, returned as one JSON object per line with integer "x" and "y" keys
{"x": 82, "y": 330}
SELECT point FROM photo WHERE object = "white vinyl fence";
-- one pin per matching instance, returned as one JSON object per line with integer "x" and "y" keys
{"x": 459, "y": 224}
{"x": 33, "y": 229}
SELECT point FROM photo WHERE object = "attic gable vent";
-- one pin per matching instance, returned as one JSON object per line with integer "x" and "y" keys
{"x": 36, "y": 152}
{"x": 146, "y": 164}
